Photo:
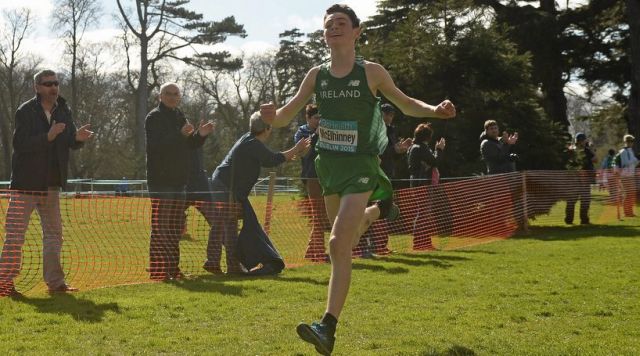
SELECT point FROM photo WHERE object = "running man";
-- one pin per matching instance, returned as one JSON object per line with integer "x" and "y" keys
{"x": 351, "y": 136}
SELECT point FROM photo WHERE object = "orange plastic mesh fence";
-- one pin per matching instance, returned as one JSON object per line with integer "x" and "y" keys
{"x": 107, "y": 238}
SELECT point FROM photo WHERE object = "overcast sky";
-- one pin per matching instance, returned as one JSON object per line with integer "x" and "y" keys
{"x": 263, "y": 20}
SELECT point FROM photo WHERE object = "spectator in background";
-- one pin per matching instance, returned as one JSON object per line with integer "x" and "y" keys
{"x": 496, "y": 151}
{"x": 44, "y": 133}
{"x": 626, "y": 163}
{"x": 171, "y": 139}
{"x": 396, "y": 146}
{"x": 433, "y": 203}
{"x": 608, "y": 161}
{"x": 581, "y": 160}
{"x": 607, "y": 180}
{"x": 423, "y": 162}
{"x": 232, "y": 182}
{"x": 315, "y": 249}
{"x": 376, "y": 238}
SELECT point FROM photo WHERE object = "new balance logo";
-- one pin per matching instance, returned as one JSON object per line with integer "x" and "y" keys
{"x": 353, "y": 83}
{"x": 363, "y": 180}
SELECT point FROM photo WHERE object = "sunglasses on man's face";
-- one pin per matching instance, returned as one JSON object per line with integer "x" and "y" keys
{"x": 50, "y": 84}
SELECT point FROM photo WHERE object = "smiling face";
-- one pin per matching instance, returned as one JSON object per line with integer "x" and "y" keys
{"x": 339, "y": 30}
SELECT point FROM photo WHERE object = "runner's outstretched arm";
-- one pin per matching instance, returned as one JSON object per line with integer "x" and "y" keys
{"x": 381, "y": 80}
{"x": 283, "y": 116}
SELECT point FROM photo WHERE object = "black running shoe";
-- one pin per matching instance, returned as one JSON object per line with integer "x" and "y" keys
{"x": 388, "y": 209}
{"x": 317, "y": 334}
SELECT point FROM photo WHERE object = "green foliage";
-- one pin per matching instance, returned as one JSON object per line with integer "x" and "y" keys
{"x": 597, "y": 42}
{"x": 607, "y": 128}
{"x": 479, "y": 69}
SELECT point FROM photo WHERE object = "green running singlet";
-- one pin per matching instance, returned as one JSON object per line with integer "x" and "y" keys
{"x": 351, "y": 135}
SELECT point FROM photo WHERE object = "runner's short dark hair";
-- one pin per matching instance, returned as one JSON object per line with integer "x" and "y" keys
{"x": 344, "y": 9}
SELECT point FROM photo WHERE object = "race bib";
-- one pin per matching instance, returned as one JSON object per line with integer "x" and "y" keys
{"x": 339, "y": 136}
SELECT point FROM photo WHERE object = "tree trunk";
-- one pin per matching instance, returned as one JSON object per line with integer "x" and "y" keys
{"x": 550, "y": 66}
{"x": 5, "y": 139}
{"x": 142, "y": 97}
{"x": 633, "y": 114}
{"x": 74, "y": 95}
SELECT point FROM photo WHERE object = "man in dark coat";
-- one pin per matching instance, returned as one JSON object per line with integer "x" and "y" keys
{"x": 43, "y": 136}
{"x": 171, "y": 139}
{"x": 233, "y": 180}
{"x": 496, "y": 150}
{"x": 581, "y": 161}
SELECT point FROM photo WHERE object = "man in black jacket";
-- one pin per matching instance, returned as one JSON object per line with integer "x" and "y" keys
{"x": 171, "y": 138}
{"x": 495, "y": 150}
{"x": 497, "y": 154}
{"x": 581, "y": 162}
{"x": 43, "y": 135}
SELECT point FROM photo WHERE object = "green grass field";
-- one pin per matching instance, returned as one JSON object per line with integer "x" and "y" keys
{"x": 558, "y": 291}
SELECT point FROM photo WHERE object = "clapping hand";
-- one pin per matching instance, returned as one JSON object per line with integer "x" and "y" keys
{"x": 300, "y": 147}
{"x": 303, "y": 145}
{"x": 187, "y": 129}
{"x": 205, "y": 128}
{"x": 403, "y": 145}
{"x": 509, "y": 139}
{"x": 446, "y": 110}
{"x": 440, "y": 145}
{"x": 406, "y": 143}
{"x": 55, "y": 130}
{"x": 83, "y": 133}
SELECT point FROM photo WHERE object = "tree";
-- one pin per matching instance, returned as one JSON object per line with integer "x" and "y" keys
{"x": 161, "y": 28}
{"x": 15, "y": 76}
{"x": 633, "y": 115}
{"x": 105, "y": 103}
{"x": 72, "y": 19}
{"x": 605, "y": 52}
{"x": 539, "y": 31}
{"x": 448, "y": 49}
{"x": 292, "y": 63}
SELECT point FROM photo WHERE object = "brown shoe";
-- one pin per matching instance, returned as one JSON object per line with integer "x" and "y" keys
{"x": 63, "y": 288}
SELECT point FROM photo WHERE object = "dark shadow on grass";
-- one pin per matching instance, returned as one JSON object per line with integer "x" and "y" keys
{"x": 444, "y": 256}
{"x": 220, "y": 283}
{"x": 415, "y": 262}
{"x": 462, "y": 250}
{"x": 378, "y": 268}
{"x": 435, "y": 260}
{"x": 577, "y": 232}
{"x": 78, "y": 308}
{"x": 455, "y": 350}
{"x": 210, "y": 284}
{"x": 284, "y": 278}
